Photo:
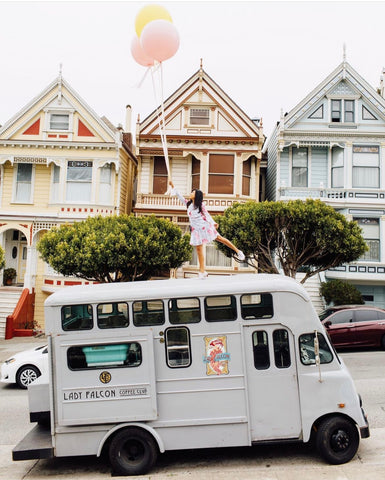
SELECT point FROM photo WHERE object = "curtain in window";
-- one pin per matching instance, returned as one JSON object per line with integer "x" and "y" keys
{"x": 221, "y": 174}
{"x": 79, "y": 181}
{"x": 105, "y": 185}
{"x": 371, "y": 233}
{"x": 59, "y": 121}
{"x": 246, "y": 177}
{"x": 24, "y": 182}
{"x": 159, "y": 184}
{"x": 366, "y": 163}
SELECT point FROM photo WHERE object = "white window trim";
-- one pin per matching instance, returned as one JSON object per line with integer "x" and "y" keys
{"x": 47, "y": 130}
{"x": 202, "y": 107}
{"x": 30, "y": 202}
{"x": 342, "y": 98}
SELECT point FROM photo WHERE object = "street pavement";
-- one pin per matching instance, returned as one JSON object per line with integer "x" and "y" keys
{"x": 278, "y": 462}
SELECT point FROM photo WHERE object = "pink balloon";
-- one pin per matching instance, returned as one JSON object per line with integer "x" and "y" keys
{"x": 139, "y": 54}
{"x": 160, "y": 40}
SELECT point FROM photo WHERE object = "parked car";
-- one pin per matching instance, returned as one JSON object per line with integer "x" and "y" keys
{"x": 25, "y": 367}
{"x": 355, "y": 326}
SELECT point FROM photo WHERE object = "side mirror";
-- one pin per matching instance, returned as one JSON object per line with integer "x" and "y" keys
{"x": 327, "y": 323}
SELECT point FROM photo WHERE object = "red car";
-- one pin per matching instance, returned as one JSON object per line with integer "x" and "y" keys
{"x": 355, "y": 326}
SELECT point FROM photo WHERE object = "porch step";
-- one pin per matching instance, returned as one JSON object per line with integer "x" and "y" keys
{"x": 9, "y": 296}
{"x": 312, "y": 286}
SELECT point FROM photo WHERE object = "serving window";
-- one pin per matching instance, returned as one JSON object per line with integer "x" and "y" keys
{"x": 104, "y": 356}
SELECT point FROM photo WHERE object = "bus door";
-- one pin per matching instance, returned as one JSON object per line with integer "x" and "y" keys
{"x": 272, "y": 382}
{"x": 103, "y": 380}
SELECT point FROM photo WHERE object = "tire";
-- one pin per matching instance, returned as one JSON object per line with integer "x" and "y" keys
{"x": 26, "y": 375}
{"x": 337, "y": 440}
{"x": 132, "y": 451}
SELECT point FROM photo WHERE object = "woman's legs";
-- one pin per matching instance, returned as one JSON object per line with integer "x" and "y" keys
{"x": 201, "y": 258}
{"x": 227, "y": 242}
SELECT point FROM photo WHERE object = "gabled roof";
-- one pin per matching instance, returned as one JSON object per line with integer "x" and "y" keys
{"x": 200, "y": 81}
{"x": 344, "y": 72}
{"x": 63, "y": 94}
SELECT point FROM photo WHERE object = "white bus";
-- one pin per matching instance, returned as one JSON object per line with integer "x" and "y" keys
{"x": 140, "y": 368}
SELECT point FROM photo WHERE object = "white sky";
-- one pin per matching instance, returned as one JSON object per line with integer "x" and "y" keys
{"x": 266, "y": 55}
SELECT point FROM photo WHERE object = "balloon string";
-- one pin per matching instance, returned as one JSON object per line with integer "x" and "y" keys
{"x": 161, "y": 117}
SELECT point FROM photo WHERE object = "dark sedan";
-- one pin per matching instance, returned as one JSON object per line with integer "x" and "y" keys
{"x": 355, "y": 326}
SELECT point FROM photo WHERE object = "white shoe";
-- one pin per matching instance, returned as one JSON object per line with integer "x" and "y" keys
{"x": 203, "y": 275}
{"x": 240, "y": 255}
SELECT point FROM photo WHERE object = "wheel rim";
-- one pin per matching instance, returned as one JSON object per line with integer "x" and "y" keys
{"x": 340, "y": 441}
{"x": 28, "y": 376}
{"x": 133, "y": 452}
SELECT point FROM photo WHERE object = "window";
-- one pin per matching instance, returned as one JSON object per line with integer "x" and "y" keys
{"x": 365, "y": 315}
{"x": 345, "y": 316}
{"x": 221, "y": 174}
{"x": 159, "y": 184}
{"x": 105, "y": 185}
{"x": 220, "y": 308}
{"x": 366, "y": 167}
{"x": 337, "y": 167}
{"x": 216, "y": 258}
{"x": 112, "y": 315}
{"x": 177, "y": 342}
{"x": 79, "y": 181}
{"x": 199, "y": 116}
{"x": 23, "y": 183}
{"x": 261, "y": 350}
{"x": 281, "y": 348}
{"x": 195, "y": 173}
{"x": 76, "y": 317}
{"x": 150, "y": 312}
{"x": 299, "y": 169}
{"x": 184, "y": 310}
{"x": 342, "y": 111}
{"x": 256, "y": 305}
{"x": 55, "y": 184}
{"x": 104, "y": 356}
{"x": 371, "y": 233}
{"x": 59, "y": 121}
{"x": 306, "y": 348}
{"x": 246, "y": 177}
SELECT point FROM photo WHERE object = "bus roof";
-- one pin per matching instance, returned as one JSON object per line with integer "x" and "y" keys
{"x": 172, "y": 288}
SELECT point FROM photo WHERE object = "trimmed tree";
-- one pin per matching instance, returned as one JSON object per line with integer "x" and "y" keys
{"x": 115, "y": 249}
{"x": 339, "y": 292}
{"x": 291, "y": 235}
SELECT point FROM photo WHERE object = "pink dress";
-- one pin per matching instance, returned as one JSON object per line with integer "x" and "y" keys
{"x": 201, "y": 224}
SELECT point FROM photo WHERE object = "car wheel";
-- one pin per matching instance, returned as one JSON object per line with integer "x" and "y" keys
{"x": 26, "y": 375}
{"x": 132, "y": 451}
{"x": 337, "y": 440}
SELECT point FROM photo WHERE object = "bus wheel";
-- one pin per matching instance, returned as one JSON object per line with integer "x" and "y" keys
{"x": 132, "y": 451}
{"x": 337, "y": 440}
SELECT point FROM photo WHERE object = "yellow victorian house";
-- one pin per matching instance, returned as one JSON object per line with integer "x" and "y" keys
{"x": 59, "y": 162}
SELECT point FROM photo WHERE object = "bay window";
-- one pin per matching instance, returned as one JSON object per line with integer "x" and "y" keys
{"x": 299, "y": 167}
{"x": 23, "y": 191}
{"x": 366, "y": 167}
{"x": 160, "y": 176}
{"x": 246, "y": 177}
{"x": 55, "y": 196}
{"x": 221, "y": 174}
{"x": 195, "y": 173}
{"x": 337, "y": 167}
{"x": 105, "y": 185}
{"x": 371, "y": 233}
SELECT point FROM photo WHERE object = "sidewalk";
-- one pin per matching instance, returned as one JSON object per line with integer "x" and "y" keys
{"x": 18, "y": 344}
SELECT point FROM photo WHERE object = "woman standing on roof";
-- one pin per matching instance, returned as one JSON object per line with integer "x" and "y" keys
{"x": 202, "y": 226}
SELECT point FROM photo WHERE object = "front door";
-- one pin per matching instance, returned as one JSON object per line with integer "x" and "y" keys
{"x": 272, "y": 382}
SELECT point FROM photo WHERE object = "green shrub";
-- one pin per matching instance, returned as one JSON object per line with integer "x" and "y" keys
{"x": 339, "y": 292}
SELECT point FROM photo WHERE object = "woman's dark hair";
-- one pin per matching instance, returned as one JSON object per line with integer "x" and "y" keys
{"x": 197, "y": 200}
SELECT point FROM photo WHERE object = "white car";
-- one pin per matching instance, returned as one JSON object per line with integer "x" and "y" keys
{"x": 25, "y": 367}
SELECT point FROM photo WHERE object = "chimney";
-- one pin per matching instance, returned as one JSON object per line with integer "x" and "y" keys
{"x": 128, "y": 118}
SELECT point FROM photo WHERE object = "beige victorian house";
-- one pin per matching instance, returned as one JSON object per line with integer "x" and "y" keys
{"x": 212, "y": 145}
{"x": 59, "y": 162}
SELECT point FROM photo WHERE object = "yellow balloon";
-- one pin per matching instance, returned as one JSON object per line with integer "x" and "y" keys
{"x": 149, "y": 13}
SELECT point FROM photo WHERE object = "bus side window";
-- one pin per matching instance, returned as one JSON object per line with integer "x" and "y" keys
{"x": 281, "y": 348}
{"x": 178, "y": 350}
{"x": 256, "y": 305}
{"x": 112, "y": 315}
{"x": 147, "y": 313}
{"x": 76, "y": 317}
{"x": 220, "y": 308}
{"x": 261, "y": 350}
{"x": 184, "y": 310}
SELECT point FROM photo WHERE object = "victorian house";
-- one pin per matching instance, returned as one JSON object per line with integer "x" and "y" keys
{"x": 59, "y": 162}
{"x": 331, "y": 146}
{"x": 212, "y": 146}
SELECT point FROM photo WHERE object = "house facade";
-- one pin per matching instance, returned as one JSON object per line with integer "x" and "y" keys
{"x": 331, "y": 146}
{"x": 59, "y": 163}
{"x": 212, "y": 146}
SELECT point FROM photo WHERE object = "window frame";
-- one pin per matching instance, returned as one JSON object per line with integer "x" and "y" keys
{"x": 91, "y": 317}
{"x": 16, "y": 183}
{"x": 232, "y": 308}
{"x": 198, "y": 117}
{"x": 107, "y": 365}
{"x": 215, "y": 174}
{"x": 113, "y": 315}
{"x": 294, "y": 168}
{"x": 134, "y": 314}
{"x": 81, "y": 181}
{"x": 187, "y": 347}
{"x": 52, "y": 128}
